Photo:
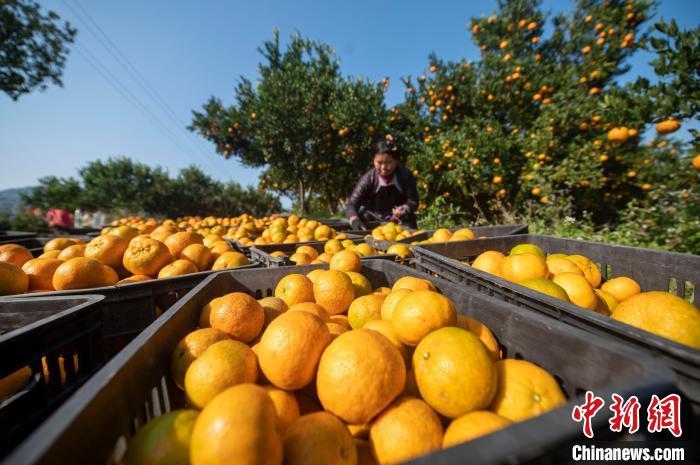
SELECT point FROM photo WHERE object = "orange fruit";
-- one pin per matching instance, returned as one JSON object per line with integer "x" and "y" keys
{"x": 441, "y": 235}
{"x": 383, "y": 290}
{"x": 108, "y": 250}
{"x": 146, "y": 256}
{"x": 471, "y": 426}
{"x": 334, "y": 291}
{"x": 50, "y": 254}
{"x": 526, "y": 248}
{"x": 236, "y": 314}
{"x": 82, "y": 273}
{"x": 524, "y": 390}
{"x": 15, "y": 254}
{"x": 40, "y": 272}
{"x": 590, "y": 269}
{"x": 308, "y": 250}
{"x": 72, "y": 251}
{"x": 313, "y": 308}
{"x": 12, "y": 279}
{"x": 244, "y": 412}
{"x": 189, "y": 348}
{"x": 295, "y": 288}
{"x": 286, "y": 406}
{"x": 385, "y": 329}
{"x": 346, "y": 260}
{"x": 489, "y": 262}
{"x": 223, "y": 364}
{"x": 314, "y": 273}
{"x": 290, "y": 349}
{"x": 359, "y": 374}
{"x": 230, "y": 260}
{"x": 408, "y": 428}
{"x": 177, "y": 268}
{"x": 59, "y": 243}
{"x": 390, "y": 302}
{"x": 300, "y": 259}
{"x": 621, "y": 288}
{"x": 166, "y": 437}
{"x": 360, "y": 283}
{"x": 341, "y": 320}
{"x": 663, "y": 314}
{"x": 209, "y": 239}
{"x": 548, "y": 287}
{"x": 454, "y": 372}
{"x": 420, "y": 313}
{"x": 220, "y": 249}
{"x": 198, "y": 254}
{"x": 481, "y": 331}
{"x": 319, "y": 439}
{"x": 578, "y": 289}
{"x": 364, "y": 309}
{"x": 333, "y": 246}
{"x": 125, "y": 232}
{"x": 136, "y": 278}
{"x": 412, "y": 283}
{"x": 336, "y": 329}
{"x": 524, "y": 266}
{"x": 559, "y": 265}
{"x": 177, "y": 242}
{"x": 402, "y": 250}
{"x": 668, "y": 126}
{"x": 273, "y": 307}
{"x": 606, "y": 302}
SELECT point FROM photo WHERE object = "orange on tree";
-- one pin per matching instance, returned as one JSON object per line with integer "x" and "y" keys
{"x": 668, "y": 126}
{"x": 223, "y": 364}
{"x": 408, "y": 428}
{"x": 290, "y": 349}
{"x": 360, "y": 373}
{"x": 454, "y": 372}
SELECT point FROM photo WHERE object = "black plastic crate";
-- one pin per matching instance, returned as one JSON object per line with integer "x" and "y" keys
{"x": 10, "y": 237}
{"x": 654, "y": 270}
{"x": 479, "y": 231}
{"x": 129, "y": 308}
{"x": 44, "y": 333}
{"x": 136, "y": 385}
{"x": 261, "y": 253}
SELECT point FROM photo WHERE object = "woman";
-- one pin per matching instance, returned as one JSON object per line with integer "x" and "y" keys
{"x": 387, "y": 192}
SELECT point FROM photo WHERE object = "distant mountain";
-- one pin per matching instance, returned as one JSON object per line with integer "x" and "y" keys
{"x": 10, "y": 198}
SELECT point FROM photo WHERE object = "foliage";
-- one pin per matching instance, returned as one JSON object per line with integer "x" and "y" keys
{"x": 33, "y": 47}
{"x": 310, "y": 127}
{"x": 524, "y": 131}
{"x": 119, "y": 184}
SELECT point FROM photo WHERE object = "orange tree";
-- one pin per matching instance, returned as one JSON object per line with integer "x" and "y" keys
{"x": 541, "y": 122}
{"x": 307, "y": 125}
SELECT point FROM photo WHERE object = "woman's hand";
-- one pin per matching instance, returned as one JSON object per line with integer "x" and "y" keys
{"x": 399, "y": 211}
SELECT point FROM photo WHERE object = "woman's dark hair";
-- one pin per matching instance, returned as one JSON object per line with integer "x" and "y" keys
{"x": 387, "y": 147}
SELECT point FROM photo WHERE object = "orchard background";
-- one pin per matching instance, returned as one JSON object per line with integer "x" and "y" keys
{"x": 541, "y": 130}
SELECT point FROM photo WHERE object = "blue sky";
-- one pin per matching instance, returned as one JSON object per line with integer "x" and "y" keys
{"x": 188, "y": 51}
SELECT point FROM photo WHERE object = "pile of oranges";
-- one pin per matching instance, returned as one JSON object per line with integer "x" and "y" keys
{"x": 335, "y": 249}
{"x": 121, "y": 255}
{"x": 332, "y": 371}
{"x": 577, "y": 279}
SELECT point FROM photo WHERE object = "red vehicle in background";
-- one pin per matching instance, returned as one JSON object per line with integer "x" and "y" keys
{"x": 57, "y": 218}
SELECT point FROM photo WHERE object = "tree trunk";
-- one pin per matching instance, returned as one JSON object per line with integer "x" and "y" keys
{"x": 302, "y": 202}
